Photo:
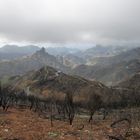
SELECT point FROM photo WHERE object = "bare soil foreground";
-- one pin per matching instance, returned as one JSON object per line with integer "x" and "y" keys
{"x": 23, "y": 124}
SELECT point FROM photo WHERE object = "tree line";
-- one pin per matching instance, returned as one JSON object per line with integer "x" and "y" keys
{"x": 64, "y": 109}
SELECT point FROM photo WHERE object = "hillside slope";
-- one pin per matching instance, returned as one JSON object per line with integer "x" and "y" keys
{"x": 112, "y": 70}
{"x": 48, "y": 80}
{"x": 131, "y": 83}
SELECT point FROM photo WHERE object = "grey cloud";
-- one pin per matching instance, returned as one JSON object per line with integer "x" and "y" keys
{"x": 70, "y": 21}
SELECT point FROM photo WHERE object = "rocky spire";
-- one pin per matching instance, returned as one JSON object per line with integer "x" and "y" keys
{"x": 41, "y": 51}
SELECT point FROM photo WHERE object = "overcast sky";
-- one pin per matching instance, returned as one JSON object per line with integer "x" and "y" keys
{"x": 69, "y": 21}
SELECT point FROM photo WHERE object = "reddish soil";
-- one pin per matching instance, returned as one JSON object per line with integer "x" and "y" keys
{"x": 23, "y": 124}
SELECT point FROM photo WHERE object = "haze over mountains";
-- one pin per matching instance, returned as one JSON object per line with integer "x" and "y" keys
{"x": 70, "y": 69}
{"x": 27, "y": 63}
{"x": 109, "y": 65}
{"x": 69, "y": 81}
{"x": 42, "y": 73}
{"x": 112, "y": 70}
{"x": 47, "y": 80}
{"x": 9, "y": 52}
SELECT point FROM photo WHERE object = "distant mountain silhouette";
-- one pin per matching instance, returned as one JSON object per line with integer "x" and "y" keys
{"x": 13, "y": 51}
{"x": 33, "y": 62}
{"x": 112, "y": 70}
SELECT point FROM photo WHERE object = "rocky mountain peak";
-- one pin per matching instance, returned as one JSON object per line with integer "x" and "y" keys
{"x": 41, "y": 51}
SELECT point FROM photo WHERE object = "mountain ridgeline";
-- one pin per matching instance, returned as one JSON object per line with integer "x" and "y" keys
{"x": 28, "y": 63}
{"x": 107, "y": 65}
{"x": 47, "y": 81}
{"x": 9, "y": 52}
{"x": 43, "y": 82}
{"x": 111, "y": 70}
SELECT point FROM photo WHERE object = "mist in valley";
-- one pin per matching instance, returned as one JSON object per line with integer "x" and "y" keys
{"x": 69, "y": 70}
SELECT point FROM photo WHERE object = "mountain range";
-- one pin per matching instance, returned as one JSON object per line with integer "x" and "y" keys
{"x": 27, "y": 63}
{"x": 9, "y": 52}
{"x": 47, "y": 81}
{"x": 109, "y": 66}
{"x": 112, "y": 70}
